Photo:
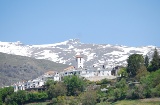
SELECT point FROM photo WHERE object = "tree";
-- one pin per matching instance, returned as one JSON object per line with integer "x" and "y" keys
{"x": 121, "y": 89}
{"x": 74, "y": 85}
{"x": 1, "y": 100}
{"x": 135, "y": 61}
{"x": 155, "y": 62}
{"x": 50, "y": 91}
{"x": 135, "y": 93}
{"x": 119, "y": 92}
{"x": 5, "y": 92}
{"x": 89, "y": 98}
{"x": 49, "y": 83}
{"x": 142, "y": 71}
{"x": 36, "y": 96}
{"x": 59, "y": 89}
{"x": 146, "y": 61}
{"x": 17, "y": 98}
{"x": 123, "y": 72}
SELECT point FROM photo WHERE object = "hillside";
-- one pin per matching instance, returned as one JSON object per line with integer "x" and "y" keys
{"x": 14, "y": 68}
{"x": 64, "y": 52}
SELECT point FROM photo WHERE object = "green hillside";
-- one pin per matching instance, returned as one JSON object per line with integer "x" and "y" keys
{"x": 14, "y": 68}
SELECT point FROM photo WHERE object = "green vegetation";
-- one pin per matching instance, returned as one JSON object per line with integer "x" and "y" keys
{"x": 135, "y": 61}
{"x": 155, "y": 63}
{"x": 14, "y": 68}
{"x": 74, "y": 84}
{"x": 146, "y": 61}
{"x": 38, "y": 103}
{"x": 139, "y": 84}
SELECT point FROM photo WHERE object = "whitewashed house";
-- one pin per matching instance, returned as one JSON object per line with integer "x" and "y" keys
{"x": 38, "y": 82}
{"x": 86, "y": 73}
{"x": 91, "y": 73}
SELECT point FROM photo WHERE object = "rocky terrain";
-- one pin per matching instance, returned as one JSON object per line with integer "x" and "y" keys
{"x": 64, "y": 52}
{"x": 15, "y": 68}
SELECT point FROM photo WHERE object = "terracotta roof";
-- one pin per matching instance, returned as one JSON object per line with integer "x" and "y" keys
{"x": 50, "y": 73}
{"x": 69, "y": 68}
{"x": 79, "y": 56}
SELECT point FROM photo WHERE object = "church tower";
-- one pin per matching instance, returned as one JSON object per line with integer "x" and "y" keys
{"x": 80, "y": 61}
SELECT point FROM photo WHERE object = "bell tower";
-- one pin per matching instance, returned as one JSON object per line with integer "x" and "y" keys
{"x": 80, "y": 61}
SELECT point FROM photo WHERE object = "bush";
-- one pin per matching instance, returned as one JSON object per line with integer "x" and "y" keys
{"x": 36, "y": 96}
{"x": 89, "y": 98}
{"x": 136, "y": 93}
{"x": 150, "y": 84}
{"x": 74, "y": 84}
{"x": 17, "y": 98}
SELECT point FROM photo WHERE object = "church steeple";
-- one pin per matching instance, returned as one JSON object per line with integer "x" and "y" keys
{"x": 79, "y": 60}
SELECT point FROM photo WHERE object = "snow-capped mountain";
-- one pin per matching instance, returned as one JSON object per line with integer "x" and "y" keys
{"x": 64, "y": 52}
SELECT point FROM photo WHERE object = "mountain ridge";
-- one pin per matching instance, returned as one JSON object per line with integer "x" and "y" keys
{"x": 15, "y": 68}
{"x": 64, "y": 52}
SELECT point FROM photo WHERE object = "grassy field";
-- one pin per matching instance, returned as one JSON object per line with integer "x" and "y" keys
{"x": 153, "y": 101}
{"x": 40, "y": 103}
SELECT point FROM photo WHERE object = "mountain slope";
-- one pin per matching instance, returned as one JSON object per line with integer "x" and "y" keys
{"x": 14, "y": 68}
{"x": 64, "y": 52}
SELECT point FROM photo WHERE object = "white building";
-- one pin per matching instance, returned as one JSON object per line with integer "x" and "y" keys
{"x": 80, "y": 61}
{"x": 98, "y": 72}
{"x": 88, "y": 73}
{"x": 95, "y": 73}
{"x": 38, "y": 82}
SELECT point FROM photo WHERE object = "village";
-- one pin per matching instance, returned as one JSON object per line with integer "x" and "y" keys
{"x": 92, "y": 74}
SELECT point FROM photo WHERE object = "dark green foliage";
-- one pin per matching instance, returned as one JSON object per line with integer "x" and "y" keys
{"x": 73, "y": 101}
{"x": 50, "y": 92}
{"x": 18, "y": 98}
{"x": 121, "y": 89}
{"x": 4, "y": 92}
{"x": 59, "y": 89}
{"x": 155, "y": 62}
{"x": 60, "y": 100}
{"x": 74, "y": 85}
{"x": 135, "y": 61}
{"x": 89, "y": 98}
{"x": 146, "y": 61}
{"x": 135, "y": 93}
{"x": 123, "y": 72}
{"x": 142, "y": 71}
{"x": 119, "y": 92}
{"x": 151, "y": 84}
{"x": 55, "y": 90}
{"x": 36, "y": 96}
{"x": 104, "y": 81}
{"x": 1, "y": 100}
{"x": 49, "y": 83}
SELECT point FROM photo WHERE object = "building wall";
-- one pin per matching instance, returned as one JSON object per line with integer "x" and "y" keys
{"x": 79, "y": 62}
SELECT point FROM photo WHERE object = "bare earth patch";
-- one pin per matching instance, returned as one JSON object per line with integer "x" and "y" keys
{"x": 150, "y": 99}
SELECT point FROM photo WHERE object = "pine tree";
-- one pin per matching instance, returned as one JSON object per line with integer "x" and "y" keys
{"x": 146, "y": 61}
{"x": 135, "y": 61}
{"x": 155, "y": 63}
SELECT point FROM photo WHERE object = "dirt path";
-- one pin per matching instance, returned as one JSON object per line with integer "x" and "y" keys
{"x": 150, "y": 99}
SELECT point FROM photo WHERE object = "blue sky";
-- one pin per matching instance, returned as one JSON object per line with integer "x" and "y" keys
{"x": 123, "y": 22}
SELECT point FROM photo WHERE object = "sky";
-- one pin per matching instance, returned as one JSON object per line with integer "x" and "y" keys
{"x": 123, "y": 22}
